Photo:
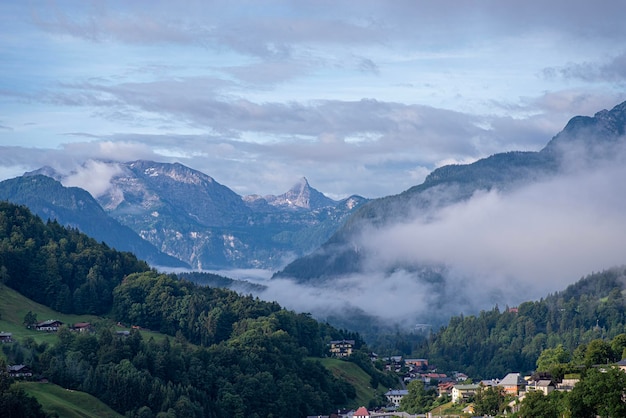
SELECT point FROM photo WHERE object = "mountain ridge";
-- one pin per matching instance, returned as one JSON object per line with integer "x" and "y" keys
{"x": 186, "y": 214}
{"x": 75, "y": 207}
{"x": 596, "y": 137}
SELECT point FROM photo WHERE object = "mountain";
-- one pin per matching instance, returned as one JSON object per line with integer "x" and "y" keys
{"x": 301, "y": 195}
{"x": 190, "y": 216}
{"x": 74, "y": 207}
{"x": 584, "y": 141}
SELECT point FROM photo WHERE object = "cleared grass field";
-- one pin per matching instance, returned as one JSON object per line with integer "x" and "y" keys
{"x": 14, "y": 306}
{"x": 67, "y": 403}
{"x": 357, "y": 377}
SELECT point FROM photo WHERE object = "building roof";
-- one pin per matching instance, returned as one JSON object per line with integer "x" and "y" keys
{"x": 544, "y": 383}
{"x": 622, "y": 362}
{"x": 342, "y": 342}
{"x": 397, "y": 392}
{"x": 467, "y": 387}
{"x": 490, "y": 382}
{"x": 361, "y": 412}
{"x": 49, "y": 322}
{"x": 512, "y": 379}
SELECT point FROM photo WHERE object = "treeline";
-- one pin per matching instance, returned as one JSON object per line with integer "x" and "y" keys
{"x": 495, "y": 342}
{"x": 57, "y": 266}
{"x": 207, "y": 316}
{"x": 228, "y": 355}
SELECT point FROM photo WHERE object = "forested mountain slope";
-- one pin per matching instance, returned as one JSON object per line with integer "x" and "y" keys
{"x": 75, "y": 207}
{"x": 228, "y": 355}
{"x": 503, "y": 340}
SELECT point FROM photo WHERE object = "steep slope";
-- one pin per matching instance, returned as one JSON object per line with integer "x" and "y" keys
{"x": 584, "y": 141}
{"x": 72, "y": 206}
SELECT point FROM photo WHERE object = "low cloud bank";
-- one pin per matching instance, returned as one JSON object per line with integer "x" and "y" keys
{"x": 495, "y": 248}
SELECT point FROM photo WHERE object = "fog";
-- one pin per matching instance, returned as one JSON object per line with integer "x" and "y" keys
{"x": 495, "y": 248}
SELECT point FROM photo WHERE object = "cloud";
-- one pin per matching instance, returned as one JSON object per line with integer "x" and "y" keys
{"x": 612, "y": 70}
{"x": 93, "y": 176}
{"x": 495, "y": 248}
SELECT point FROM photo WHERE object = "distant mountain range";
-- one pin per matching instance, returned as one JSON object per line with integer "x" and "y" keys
{"x": 588, "y": 138}
{"x": 74, "y": 207}
{"x": 171, "y": 215}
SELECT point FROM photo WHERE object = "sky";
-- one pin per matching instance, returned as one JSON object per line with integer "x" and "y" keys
{"x": 360, "y": 97}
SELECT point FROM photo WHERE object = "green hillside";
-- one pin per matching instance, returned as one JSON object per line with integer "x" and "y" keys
{"x": 356, "y": 376}
{"x": 67, "y": 403}
{"x": 217, "y": 351}
{"x": 15, "y": 306}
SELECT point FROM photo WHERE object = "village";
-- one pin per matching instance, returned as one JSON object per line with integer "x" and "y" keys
{"x": 457, "y": 386}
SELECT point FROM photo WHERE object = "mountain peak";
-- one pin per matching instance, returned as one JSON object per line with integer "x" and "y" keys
{"x": 604, "y": 127}
{"x": 45, "y": 171}
{"x": 302, "y": 186}
{"x": 301, "y": 196}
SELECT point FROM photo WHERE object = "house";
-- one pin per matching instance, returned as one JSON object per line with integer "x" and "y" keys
{"x": 544, "y": 385}
{"x": 461, "y": 377}
{"x": 469, "y": 409}
{"x": 512, "y": 383}
{"x": 51, "y": 325}
{"x": 433, "y": 376}
{"x": 462, "y": 393}
{"x": 490, "y": 382}
{"x": 421, "y": 363}
{"x": 395, "y": 359}
{"x": 6, "y": 337}
{"x": 19, "y": 370}
{"x": 396, "y": 395}
{"x": 122, "y": 333}
{"x": 362, "y": 412}
{"x": 568, "y": 382}
{"x": 622, "y": 365}
{"x": 445, "y": 388}
{"x": 82, "y": 327}
{"x": 341, "y": 348}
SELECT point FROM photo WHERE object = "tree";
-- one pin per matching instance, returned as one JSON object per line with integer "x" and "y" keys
{"x": 600, "y": 392}
{"x": 538, "y": 405}
{"x": 418, "y": 399}
{"x": 551, "y": 357}
{"x": 489, "y": 401}
{"x": 618, "y": 345}
{"x": 598, "y": 352}
{"x": 30, "y": 320}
